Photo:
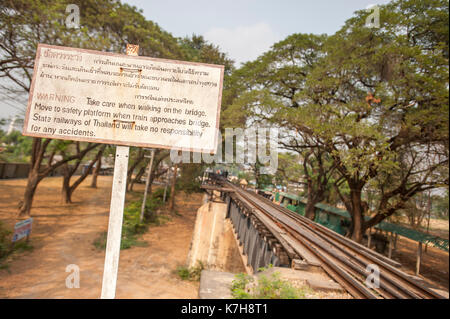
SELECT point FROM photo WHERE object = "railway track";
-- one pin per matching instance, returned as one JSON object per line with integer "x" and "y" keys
{"x": 344, "y": 260}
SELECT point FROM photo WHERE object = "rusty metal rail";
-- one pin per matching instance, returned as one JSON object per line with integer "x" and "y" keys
{"x": 344, "y": 260}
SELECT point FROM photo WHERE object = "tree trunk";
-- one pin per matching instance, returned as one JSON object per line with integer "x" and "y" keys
{"x": 172, "y": 190}
{"x": 150, "y": 185}
{"x": 132, "y": 167}
{"x": 97, "y": 170}
{"x": 310, "y": 210}
{"x": 65, "y": 192}
{"x": 69, "y": 189}
{"x": 38, "y": 150}
{"x": 357, "y": 216}
{"x": 137, "y": 178}
{"x": 316, "y": 191}
{"x": 30, "y": 189}
{"x": 37, "y": 154}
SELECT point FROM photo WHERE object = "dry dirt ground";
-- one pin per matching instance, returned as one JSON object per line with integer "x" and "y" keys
{"x": 434, "y": 265}
{"x": 64, "y": 235}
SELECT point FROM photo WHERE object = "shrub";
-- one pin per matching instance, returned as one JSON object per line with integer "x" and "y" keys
{"x": 240, "y": 286}
{"x": 132, "y": 226}
{"x": 189, "y": 180}
{"x": 159, "y": 193}
{"x": 267, "y": 287}
{"x": 5, "y": 242}
{"x": 191, "y": 274}
{"x": 5, "y": 245}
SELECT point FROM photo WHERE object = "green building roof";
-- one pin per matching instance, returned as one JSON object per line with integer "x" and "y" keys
{"x": 413, "y": 234}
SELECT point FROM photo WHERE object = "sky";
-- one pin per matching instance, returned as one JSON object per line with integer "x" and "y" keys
{"x": 242, "y": 28}
{"x": 247, "y": 28}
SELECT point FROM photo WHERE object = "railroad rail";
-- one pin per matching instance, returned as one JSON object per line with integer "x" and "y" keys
{"x": 293, "y": 236}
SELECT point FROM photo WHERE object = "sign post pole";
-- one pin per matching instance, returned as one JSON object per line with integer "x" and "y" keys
{"x": 115, "y": 223}
{"x": 116, "y": 214}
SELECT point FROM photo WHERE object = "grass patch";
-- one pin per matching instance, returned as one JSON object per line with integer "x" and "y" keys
{"x": 267, "y": 287}
{"x": 132, "y": 226}
{"x": 6, "y": 249}
{"x": 191, "y": 274}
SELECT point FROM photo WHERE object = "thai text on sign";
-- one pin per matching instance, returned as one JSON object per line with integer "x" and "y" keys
{"x": 103, "y": 97}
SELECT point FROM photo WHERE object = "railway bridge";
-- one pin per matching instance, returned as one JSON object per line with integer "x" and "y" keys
{"x": 272, "y": 234}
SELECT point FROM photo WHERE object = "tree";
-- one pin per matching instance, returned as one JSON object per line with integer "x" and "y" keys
{"x": 189, "y": 179}
{"x": 136, "y": 158}
{"x": 197, "y": 49}
{"x": 261, "y": 180}
{"x": 416, "y": 209}
{"x": 38, "y": 173}
{"x": 289, "y": 169}
{"x": 105, "y": 25}
{"x": 70, "y": 170}
{"x": 270, "y": 85}
{"x": 374, "y": 101}
{"x": 440, "y": 205}
{"x": 18, "y": 147}
{"x": 380, "y": 103}
{"x": 98, "y": 166}
{"x": 318, "y": 171}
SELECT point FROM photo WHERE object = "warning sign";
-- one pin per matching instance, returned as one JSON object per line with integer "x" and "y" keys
{"x": 102, "y": 97}
{"x": 22, "y": 229}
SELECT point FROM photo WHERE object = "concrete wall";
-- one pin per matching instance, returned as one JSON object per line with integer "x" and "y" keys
{"x": 213, "y": 242}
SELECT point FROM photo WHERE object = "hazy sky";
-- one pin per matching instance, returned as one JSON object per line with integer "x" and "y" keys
{"x": 244, "y": 28}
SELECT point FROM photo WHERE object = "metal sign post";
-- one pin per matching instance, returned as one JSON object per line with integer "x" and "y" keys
{"x": 116, "y": 214}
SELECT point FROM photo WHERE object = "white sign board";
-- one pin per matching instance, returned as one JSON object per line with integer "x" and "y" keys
{"x": 22, "y": 229}
{"x": 103, "y": 97}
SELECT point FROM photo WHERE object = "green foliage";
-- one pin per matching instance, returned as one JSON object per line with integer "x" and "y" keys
{"x": 440, "y": 206}
{"x": 289, "y": 169}
{"x": 263, "y": 181}
{"x": 374, "y": 100}
{"x": 267, "y": 287}
{"x": 197, "y": 49}
{"x": 6, "y": 248}
{"x": 189, "y": 180}
{"x": 273, "y": 287}
{"x": 5, "y": 242}
{"x": 191, "y": 274}
{"x": 239, "y": 286}
{"x": 159, "y": 194}
{"x": 244, "y": 175}
{"x": 17, "y": 148}
{"x": 104, "y": 25}
{"x": 132, "y": 227}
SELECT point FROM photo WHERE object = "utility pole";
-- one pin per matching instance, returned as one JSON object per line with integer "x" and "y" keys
{"x": 429, "y": 216}
{"x": 172, "y": 191}
{"x": 147, "y": 183}
{"x": 167, "y": 184}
